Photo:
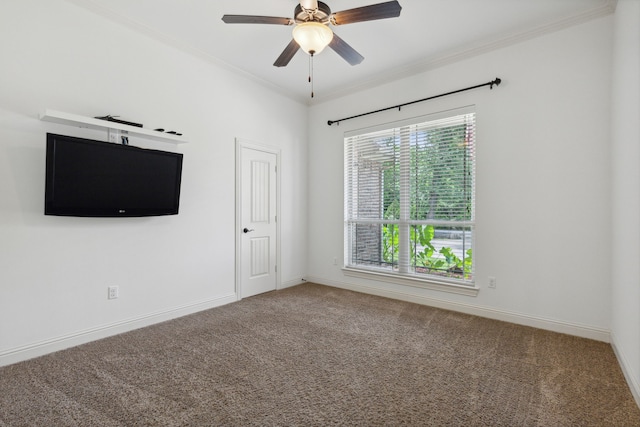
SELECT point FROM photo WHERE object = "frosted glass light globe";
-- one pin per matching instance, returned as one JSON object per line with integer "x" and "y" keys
{"x": 312, "y": 37}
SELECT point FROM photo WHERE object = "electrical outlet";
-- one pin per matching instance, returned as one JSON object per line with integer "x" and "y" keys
{"x": 492, "y": 282}
{"x": 113, "y": 292}
{"x": 335, "y": 260}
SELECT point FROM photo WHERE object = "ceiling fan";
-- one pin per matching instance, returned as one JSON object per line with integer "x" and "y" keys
{"x": 311, "y": 31}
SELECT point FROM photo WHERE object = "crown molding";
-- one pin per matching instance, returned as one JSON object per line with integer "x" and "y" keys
{"x": 452, "y": 56}
{"x": 181, "y": 46}
{"x": 481, "y": 47}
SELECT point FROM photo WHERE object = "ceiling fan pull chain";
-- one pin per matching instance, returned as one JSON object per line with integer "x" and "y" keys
{"x": 311, "y": 72}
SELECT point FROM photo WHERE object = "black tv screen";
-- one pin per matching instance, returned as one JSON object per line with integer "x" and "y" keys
{"x": 100, "y": 179}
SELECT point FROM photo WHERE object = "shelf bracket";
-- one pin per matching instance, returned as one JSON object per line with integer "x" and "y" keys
{"x": 113, "y": 135}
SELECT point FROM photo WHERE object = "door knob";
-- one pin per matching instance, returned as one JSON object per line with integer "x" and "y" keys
{"x": 246, "y": 230}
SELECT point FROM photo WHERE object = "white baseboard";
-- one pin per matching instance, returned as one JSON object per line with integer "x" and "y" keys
{"x": 291, "y": 283}
{"x": 81, "y": 337}
{"x": 490, "y": 313}
{"x": 627, "y": 369}
{"x": 30, "y": 351}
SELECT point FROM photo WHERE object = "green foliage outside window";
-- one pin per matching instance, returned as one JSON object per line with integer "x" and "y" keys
{"x": 425, "y": 257}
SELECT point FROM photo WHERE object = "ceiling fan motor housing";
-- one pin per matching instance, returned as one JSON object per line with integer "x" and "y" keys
{"x": 321, "y": 15}
{"x": 312, "y": 19}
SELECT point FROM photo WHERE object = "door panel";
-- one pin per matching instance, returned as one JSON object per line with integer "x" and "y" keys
{"x": 260, "y": 256}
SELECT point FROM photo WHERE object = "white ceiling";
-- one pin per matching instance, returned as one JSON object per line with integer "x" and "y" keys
{"x": 427, "y": 33}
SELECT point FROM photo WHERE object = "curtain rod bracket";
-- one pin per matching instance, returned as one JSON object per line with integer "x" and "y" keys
{"x": 496, "y": 82}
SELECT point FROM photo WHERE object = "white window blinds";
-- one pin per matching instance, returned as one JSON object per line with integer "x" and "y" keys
{"x": 409, "y": 199}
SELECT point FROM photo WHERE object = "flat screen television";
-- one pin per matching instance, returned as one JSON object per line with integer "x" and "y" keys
{"x": 99, "y": 179}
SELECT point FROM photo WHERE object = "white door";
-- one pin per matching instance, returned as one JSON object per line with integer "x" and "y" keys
{"x": 258, "y": 215}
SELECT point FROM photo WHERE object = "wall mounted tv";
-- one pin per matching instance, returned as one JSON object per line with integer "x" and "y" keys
{"x": 99, "y": 179}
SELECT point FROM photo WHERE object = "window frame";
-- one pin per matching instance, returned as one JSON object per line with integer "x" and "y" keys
{"x": 405, "y": 275}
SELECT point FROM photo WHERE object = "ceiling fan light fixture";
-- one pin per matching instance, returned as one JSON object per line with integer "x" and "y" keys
{"x": 312, "y": 37}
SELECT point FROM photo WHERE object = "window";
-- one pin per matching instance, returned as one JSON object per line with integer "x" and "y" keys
{"x": 409, "y": 199}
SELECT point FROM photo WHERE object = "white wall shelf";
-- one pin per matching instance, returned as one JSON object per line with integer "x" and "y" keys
{"x": 91, "y": 123}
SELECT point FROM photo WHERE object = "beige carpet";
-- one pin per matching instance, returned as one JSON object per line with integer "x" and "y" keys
{"x": 318, "y": 356}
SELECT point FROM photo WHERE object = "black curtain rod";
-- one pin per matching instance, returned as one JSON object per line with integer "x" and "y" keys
{"x": 496, "y": 82}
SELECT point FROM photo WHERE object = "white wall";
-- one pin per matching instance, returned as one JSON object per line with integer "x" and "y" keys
{"x": 625, "y": 250}
{"x": 543, "y": 179}
{"x": 54, "y": 271}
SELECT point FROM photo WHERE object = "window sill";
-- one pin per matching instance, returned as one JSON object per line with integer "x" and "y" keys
{"x": 431, "y": 284}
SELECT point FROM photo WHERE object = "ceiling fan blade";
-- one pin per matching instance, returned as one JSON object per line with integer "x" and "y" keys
{"x": 390, "y": 9}
{"x": 309, "y": 4}
{"x": 287, "y": 54}
{"x": 343, "y": 49}
{"x": 252, "y": 19}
